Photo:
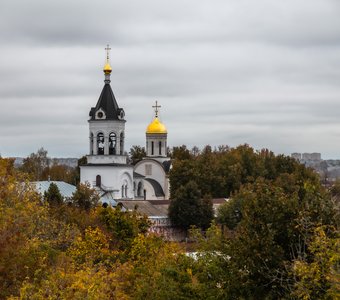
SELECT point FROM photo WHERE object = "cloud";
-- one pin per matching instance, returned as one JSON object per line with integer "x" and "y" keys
{"x": 225, "y": 72}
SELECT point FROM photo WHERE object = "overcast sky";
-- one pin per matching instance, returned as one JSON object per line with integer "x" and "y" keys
{"x": 262, "y": 72}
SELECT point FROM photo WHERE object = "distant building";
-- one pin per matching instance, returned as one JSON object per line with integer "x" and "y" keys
{"x": 311, "y": 156}
{"x": 296, "y": 156}
{"x": 305, "y": 157}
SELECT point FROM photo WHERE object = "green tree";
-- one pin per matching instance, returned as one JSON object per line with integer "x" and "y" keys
{"x": 123, "y": 226}
{"x": 180, "y": 153}
{"x": 136, "y": 154}
{"x": 187, "y": 208}
{"x": 52, "y": 195}
{"x": 85, "y": 197}
{"x": 271, "y": 224}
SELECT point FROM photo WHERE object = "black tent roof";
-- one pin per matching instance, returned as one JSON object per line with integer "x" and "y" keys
{"x": 107, "y": 102}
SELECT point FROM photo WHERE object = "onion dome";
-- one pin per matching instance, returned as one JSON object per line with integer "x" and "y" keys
{"x": 107, "y": 68}
{"x": 156, "y": 127}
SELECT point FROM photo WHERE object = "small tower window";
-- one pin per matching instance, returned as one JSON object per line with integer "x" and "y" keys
{"x": 98, "y": 181}
{"x": 91, "y": 143}
{"x": 112, "y": 143}
{"x": 100, "y": 143}
{"x": 152, "y": 148}
{"x": 122, "y": 143}
{"x": 160, "y": 148}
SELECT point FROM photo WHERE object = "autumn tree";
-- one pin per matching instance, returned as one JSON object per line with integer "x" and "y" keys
{"x": 85, "y": 197}
{"x": 35, "y": 164}
{"x": 317, "y": 275}
{"x": 30, "y": 239}
{"x": 123, "y": 226}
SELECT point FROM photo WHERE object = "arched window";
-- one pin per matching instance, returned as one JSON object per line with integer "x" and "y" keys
{"x": 122, "y": 191}
{"x": 98, "y": 181}
{"x": 100, "y": 143}
{"x": 139, "y": 189}
{"x": 160, "y": 148}
{"x": 112, "y": 143}
{"x": 91, "y": 143}
{"x": 122, "y": 143}
{"x": 152, "y": 147}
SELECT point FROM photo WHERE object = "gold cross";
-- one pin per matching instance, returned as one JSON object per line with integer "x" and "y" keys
{"x": 156, "y": 107}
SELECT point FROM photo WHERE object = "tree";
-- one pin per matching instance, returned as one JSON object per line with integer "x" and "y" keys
{"x": 318, "y": 275}
{"x": 180, "y": 153}
{"x": 30, "y": 239}
{"x": 61, "y": 173}
{"x": 123, "y": 226}
{"x": 52, "y": 195}
{"x": 188, "y": 209}
{"x": 271, "y": 224}
{"x": 35, "y": 164}
{"x": 85, "y": 197}
{"x": 136, "y": 154}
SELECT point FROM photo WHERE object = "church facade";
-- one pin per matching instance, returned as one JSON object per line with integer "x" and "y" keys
{"x": 107, "y": 168}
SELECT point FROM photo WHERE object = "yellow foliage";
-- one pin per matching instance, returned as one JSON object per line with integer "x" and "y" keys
{"x": 319, "y": 278}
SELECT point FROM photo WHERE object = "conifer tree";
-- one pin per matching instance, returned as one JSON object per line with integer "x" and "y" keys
{"x": 52, "y": 195}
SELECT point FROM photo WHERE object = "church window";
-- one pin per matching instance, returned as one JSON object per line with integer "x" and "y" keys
{"x": 160, "y": 148}
{"x": 148, "y": 169}
{"x": 98, "y": 180}
{"x": 122, "y": 143}
{"x": 152, "y": 148}
{"x": 139, "y": 189}
{"x": 100, "y": 143}
{"x": 112, "y": 143}
{"x": 122, "y": 191}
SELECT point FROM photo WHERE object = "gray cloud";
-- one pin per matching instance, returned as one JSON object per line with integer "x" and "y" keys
{"x": 262, "y": 72}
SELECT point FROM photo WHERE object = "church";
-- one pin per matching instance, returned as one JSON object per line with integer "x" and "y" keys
{"x": 107, "y": 168}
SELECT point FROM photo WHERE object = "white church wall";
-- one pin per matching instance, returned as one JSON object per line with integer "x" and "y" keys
{"x": 112, "y": 178}
{"x": 152, "y": 169}
{"x": 106, "y": 159}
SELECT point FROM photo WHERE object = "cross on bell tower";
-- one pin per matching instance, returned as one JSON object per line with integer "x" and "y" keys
{"x": 107, "y": 53}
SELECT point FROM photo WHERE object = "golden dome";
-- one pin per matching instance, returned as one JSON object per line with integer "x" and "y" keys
{"x": 107, "y": 68}
{"x": 156, "y": 127}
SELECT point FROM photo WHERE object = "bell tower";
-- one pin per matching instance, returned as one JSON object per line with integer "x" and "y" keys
{"x": 107, "y": 124}
{"x": 106, "y": 168}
